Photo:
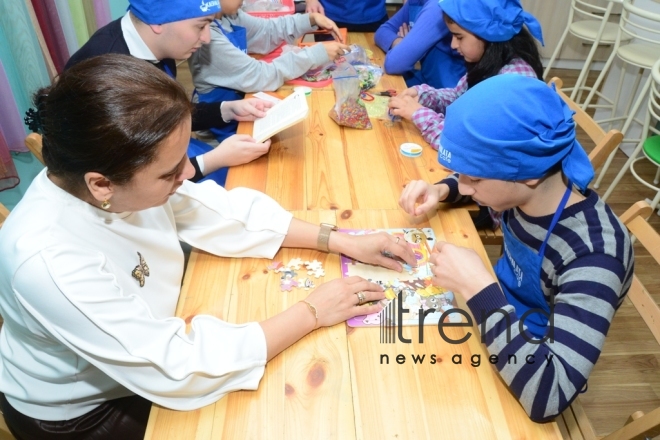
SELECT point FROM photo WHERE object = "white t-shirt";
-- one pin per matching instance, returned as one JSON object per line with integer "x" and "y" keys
{"x": 79, "y": 329}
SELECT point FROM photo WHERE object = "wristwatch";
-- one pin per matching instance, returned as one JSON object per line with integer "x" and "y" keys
{"x": 324, "y": 236}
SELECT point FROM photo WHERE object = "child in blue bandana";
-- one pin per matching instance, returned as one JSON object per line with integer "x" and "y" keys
{"x": 418, "y": 33}
{"x": 568, "y": 260}
{"x": 490, "y": 36}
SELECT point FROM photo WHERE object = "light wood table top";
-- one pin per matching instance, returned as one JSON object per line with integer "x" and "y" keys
{"x": 331, "y": 384}
{"x": 317, "y": 164}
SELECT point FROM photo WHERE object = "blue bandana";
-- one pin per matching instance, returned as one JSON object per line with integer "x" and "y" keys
{"x": 510, "y": 127}
{"x": 492, "y": 20}
{"x": 167, "y": 11}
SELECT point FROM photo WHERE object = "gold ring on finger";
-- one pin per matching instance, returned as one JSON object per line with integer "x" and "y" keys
{"x": 361, "y": 298}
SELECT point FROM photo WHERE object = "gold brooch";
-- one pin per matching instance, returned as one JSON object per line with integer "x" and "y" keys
{"x": 141, "y": 270}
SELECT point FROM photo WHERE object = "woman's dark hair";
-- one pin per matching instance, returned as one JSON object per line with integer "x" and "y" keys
{"x": 107, "y": 114}
{"x": 499, "y": 54}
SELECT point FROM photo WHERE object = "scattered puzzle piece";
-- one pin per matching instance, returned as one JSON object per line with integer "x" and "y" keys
{"x": 306, "y": 283}
{"x": 295, "y": 263}
{"x": 313, "y": 265}
{"x": 274, "y": 265}
{"x": 316, "y": 273}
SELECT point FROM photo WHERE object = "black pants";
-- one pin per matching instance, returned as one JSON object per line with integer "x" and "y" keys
{"x": 124, "y": 419}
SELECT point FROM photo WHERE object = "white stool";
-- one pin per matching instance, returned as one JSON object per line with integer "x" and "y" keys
{"x": 647, "y": 145}
{"x": 644, "y": 27}
{"x": 592, "y": 26}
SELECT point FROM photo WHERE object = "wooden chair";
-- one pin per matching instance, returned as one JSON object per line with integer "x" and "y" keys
{"x": 33, "y": 143}
{"x": 4, "y": 213}
{"x": 604, "y": 143}
{"x": 573, "y": 422}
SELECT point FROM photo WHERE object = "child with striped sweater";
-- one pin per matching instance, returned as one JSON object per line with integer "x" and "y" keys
{"x": 568, "y": 260}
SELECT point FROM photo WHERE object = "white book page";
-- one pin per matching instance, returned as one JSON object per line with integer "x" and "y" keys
{"x": 282, "y": 115}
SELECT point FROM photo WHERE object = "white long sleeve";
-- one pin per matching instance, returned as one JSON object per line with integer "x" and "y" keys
{"x": 80, "y": 330}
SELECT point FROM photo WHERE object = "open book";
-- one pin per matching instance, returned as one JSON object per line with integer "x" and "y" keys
{"x": 284, "y": 114}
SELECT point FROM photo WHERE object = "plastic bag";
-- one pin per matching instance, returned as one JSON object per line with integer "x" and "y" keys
{"x": 348, "y": 110}
{"x": 320, "y": 73}
{"x": 369, "y": 73}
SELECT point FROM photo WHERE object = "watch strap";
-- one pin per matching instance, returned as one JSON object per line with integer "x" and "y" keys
{"x": 324, "y": 236}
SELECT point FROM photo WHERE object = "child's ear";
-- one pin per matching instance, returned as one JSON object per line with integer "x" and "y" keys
{"x": 532, "y": 183}
{"x": 156, "y": 28}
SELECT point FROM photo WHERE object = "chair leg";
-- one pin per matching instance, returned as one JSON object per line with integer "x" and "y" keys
{"x": 656, "y": 200}
{"x": 600, "y": 78}
{"x": 629, "y": 120}
{"x": 657, "y": 176}
{"x": 622, "y": 171}
{"x": 555, "y": 54}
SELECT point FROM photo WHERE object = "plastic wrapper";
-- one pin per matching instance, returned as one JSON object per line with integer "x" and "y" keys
{"x": 349, "y": 110}
{"x": 369, "y": 75}
{"x": 320, "y": 73}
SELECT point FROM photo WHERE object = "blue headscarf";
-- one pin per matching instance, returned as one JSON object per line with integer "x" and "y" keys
{"x": 167, "y": 11}
{"x": 511, "y": 127}
{"x": 492, "y": 20}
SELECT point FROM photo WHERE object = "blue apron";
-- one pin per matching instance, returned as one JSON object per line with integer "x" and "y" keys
{"x": 519, "y": 274}
{"x": 441, "y": 67}
{"x": 197, "y": 148}
{"x": 238, "y": 38}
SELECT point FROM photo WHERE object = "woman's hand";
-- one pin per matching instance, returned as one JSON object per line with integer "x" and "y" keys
{"x": 244, "y": 109}
{"x": 314, "y": 6}
{"x": 337, "y": 300}
{"x": 419, "y": 197}
{"x": 404, "y": 106}
{"x": 323, "y": 22}
{"x": 459, "y": 269}
{"x": 370, "y": 248}
{"x": 235, "y": 150}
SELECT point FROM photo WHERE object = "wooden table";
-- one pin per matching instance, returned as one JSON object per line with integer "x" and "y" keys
{"x": 331, "y": 384}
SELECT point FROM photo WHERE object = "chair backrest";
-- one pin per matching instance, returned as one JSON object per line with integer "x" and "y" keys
{"x": 605, "y": 143}
{"x": 642, "y": 425}
{"x": 4, "y": 213}
{"x": 34, "y": 144}
{"x": 592, "y": 10}
{"x": 639, "y": 23}
{"x": 654, "y": 100}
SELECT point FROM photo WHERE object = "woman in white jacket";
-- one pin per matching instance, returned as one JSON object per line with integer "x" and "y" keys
{"x": 91, "y": 265}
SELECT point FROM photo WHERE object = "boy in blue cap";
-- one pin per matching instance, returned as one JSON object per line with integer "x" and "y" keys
{"x": 568, "y": 260}
{"x": 162, "y": 31}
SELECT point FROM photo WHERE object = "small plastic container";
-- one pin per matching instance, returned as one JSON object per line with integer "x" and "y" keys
{"x": 274, "y": 14}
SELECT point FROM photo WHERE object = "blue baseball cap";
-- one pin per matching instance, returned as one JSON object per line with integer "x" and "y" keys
{"x": 167, "y": 11}
{"x": 492, "y": 20}
{"x": 511, "y": 127}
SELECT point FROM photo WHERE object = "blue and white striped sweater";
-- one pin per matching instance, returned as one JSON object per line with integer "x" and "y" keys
{"x": 587, "y": 270}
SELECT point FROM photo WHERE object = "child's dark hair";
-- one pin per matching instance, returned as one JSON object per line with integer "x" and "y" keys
{"x": 499, "y": 54}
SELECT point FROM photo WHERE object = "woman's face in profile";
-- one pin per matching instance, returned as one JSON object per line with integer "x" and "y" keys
{"x": 154, "y": 184}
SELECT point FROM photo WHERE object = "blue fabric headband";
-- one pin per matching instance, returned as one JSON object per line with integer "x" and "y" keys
{"x": 511, "y": 127}
{"x": 492, "y": 20}
{"x": 167, "y": 11}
